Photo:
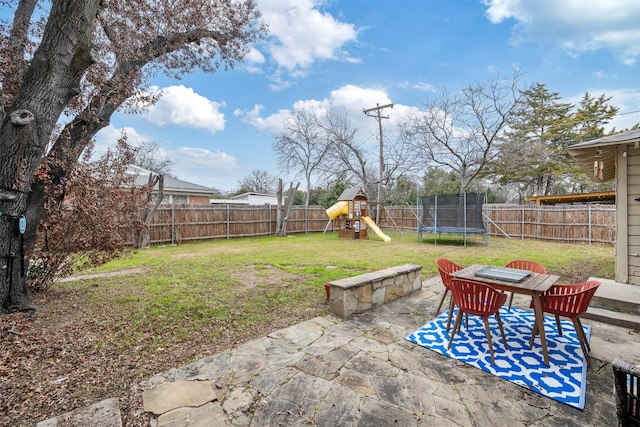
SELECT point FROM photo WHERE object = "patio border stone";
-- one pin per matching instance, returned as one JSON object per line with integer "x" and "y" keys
{"x": 363, "y": 292}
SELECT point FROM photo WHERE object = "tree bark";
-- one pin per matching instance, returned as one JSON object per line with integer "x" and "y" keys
{"x": 283, "y": 210}
{"x": 143, "y": 235}
{"x": 50, "y": 82}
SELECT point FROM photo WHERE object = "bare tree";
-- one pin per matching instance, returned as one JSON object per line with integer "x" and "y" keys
{"x": 325, "y": 143}
{"x": 301, "y": 147}
{"x": 86, "y": 59}
{"x": 462, "y": 132}
{"x": 258, "y": 181}
{"x": 402, "y": 167}
{"x": 347, "y": 154}
{"x": 148, "y": 155}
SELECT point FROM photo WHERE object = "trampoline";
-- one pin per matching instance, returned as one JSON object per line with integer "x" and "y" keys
{"x": 453, "y": 214}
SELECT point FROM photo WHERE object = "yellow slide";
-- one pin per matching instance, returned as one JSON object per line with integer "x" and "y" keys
{"x": 372, "y": 225}
{"x": 340, "y": 208}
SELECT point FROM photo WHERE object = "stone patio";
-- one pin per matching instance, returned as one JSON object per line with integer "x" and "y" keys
{"x": 361, "y": 372}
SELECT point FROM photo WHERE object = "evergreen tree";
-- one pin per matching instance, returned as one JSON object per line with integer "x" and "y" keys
{"x": 440, "y": 181}
{"x": 590, "y": 118}
{"x": 531, "y": 156}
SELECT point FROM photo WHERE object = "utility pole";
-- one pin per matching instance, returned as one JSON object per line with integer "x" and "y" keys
{"x": 376, "y": 113}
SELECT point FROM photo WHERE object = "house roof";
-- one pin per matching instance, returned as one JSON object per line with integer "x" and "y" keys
{"x": 596, "y": 197}
{"x": 351, "y": 193}
{"x": 602, "y": 150}
{"x": 247, "y": 195}
{"x": 171, "y": 184}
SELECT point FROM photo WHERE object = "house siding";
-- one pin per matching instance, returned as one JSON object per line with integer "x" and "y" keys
{"x": 199, "y": 200}
{"x": 633, "y": 213}
{"x": 255, "y": 199}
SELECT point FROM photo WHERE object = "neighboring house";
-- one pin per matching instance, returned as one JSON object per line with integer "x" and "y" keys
{"x": 255, "y": 199}
{"x": 175, "y": 190}
{"x": 618, "y": 157}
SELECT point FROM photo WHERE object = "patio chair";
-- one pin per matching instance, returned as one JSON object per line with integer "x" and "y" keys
{"x": 525, "y": 264}
{"x": 446, "y": 267}
{"x": 569, "y": 301}
{"x": 477, "y": 299}
{"x": 626, "y": 381}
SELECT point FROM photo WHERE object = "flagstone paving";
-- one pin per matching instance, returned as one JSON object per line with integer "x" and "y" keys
{"x": 362, "y": 372}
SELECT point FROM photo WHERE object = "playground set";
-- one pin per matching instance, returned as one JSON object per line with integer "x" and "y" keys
{"x": 451, "y": 214}
{"x": 351, "y": 210}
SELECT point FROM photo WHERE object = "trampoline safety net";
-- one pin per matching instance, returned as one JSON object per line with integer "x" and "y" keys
{"x": 458, "y": 213}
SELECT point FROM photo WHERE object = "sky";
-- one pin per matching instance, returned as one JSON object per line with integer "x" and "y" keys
{"x": 352, "y": 55}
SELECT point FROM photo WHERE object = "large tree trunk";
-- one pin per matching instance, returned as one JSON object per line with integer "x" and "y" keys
{"x": 52, "y": 79}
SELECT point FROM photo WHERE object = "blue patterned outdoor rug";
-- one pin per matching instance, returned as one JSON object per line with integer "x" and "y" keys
{"x": 564, "y": 380}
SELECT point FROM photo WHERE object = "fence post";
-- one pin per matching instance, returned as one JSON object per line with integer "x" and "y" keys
{"x": 589, "y": 211}
{"x": 173, "y": 225}
{"x": 464, "y": 215}
{"x": 417, "y": 213}
{"x": 228, "y": 221}
{"x": 522, "y": 224}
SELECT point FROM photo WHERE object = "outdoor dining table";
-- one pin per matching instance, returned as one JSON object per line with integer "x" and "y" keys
{"x": 533, "y": 284}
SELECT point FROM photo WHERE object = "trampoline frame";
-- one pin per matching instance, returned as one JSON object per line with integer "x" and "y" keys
{"x": 462, "y": 229}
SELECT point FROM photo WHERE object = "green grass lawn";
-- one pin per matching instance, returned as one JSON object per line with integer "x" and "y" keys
{"x": 241, "y": 285}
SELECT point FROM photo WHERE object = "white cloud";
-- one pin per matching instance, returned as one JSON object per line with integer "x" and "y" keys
{"x": 253, "y": 61}
{"x": 574, "y": 25}
{"x": 197, "y": 165}
{"x": 300, "y": 34}
{"x": 179, "y": 105}
{"x": 279, "y": 84}
{"x": 192, "y": 157}
{"x": 421, "y": 86}
{"x": 271, "y": 124}
{"x": 217, "y": 169}
{"x": 349, "y": 99}
{"x": 255, "y": 56}
{"x": 105, "y": 139}
{"x": 603, "y": 75}
{"x": 108, "y": 136}
{"x": 358, "y": 98}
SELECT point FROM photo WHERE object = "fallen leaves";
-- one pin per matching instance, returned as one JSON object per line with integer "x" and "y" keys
{"x": 73, "y": 354}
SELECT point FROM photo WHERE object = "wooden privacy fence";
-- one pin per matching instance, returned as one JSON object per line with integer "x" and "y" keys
{"x": 184, "y": 223}
{"x": 586, "y": 223}
{"x": 174, "y": 224}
